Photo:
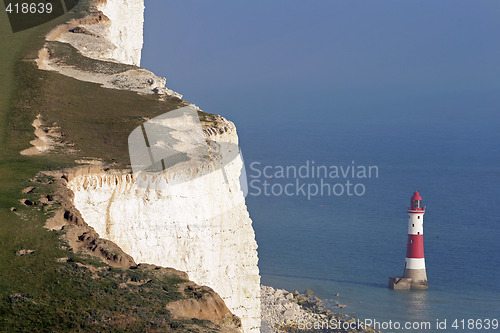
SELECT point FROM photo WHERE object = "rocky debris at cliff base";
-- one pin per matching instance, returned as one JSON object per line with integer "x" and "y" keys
{"x": 282, "y": 311}
{"x": 278, "y": 307}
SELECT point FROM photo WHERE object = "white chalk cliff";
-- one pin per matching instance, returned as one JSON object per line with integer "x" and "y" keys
{"x": 126, "y": 29}
{"x": 199, "y": 223}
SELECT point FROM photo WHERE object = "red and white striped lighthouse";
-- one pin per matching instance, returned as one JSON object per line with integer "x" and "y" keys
{"x": 415, "y": 260}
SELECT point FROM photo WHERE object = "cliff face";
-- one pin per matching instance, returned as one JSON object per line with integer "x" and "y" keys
{"x": 198, "y": 223}
{"x": 125, "y": 30}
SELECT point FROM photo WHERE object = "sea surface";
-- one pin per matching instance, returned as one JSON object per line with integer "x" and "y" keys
{"x": 410, "y": 89}
{"x": 350, "y": 244}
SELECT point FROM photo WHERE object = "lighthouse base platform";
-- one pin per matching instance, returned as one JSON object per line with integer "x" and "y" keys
{"x": 406, "y": 283}
{"x": 399, "y": 283}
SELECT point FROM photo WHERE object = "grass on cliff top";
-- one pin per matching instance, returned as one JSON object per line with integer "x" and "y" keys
{"x": 96, "y": 120}
{"x": 38, "y": 293}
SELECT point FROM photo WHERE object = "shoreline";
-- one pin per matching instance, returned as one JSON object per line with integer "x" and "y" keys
{"x": 284, "y": 311}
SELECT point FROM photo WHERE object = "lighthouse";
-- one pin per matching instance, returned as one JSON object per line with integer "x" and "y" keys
{"x": 414, "y": 275}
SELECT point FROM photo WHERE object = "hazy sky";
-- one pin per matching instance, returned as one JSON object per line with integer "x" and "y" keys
{"x": 352, "y": 44}
{"x": 391, "y": 59}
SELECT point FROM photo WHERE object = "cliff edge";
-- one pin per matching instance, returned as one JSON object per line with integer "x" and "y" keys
{"x": 198, "y": 223}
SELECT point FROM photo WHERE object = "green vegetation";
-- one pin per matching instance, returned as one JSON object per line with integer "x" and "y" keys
{"x": 96, "y": 120}
{"x": 38, "y": 292}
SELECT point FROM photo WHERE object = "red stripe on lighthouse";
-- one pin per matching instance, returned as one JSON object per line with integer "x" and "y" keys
{"x": 415, "y": 247}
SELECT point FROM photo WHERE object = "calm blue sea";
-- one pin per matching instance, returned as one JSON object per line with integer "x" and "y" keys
{"x": 350, "y": 245}
{"x": 408, "y": 87}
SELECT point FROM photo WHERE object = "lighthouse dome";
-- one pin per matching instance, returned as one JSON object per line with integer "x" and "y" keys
{"x": 416, "y": 202}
